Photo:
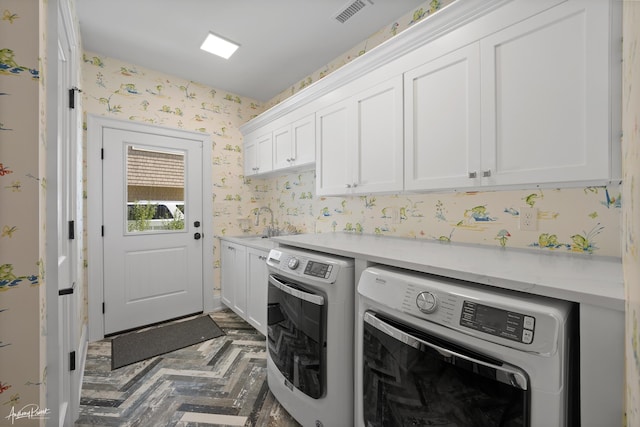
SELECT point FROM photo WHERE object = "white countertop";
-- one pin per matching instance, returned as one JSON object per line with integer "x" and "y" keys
{"x": 584, "y": 279}
{"x": 256, "y": 242}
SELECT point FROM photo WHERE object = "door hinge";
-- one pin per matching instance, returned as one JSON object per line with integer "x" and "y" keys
{"x": 102, "y": 231}
{"x": 72, "y": 230}
{"x": 102, "y": 154}
{"x": 102, "y": 308}
{"x": 72, "y": 361}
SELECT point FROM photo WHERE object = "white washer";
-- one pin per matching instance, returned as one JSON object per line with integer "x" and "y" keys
{"x": 437, "y": 351}
{"x": 310, "y": 318}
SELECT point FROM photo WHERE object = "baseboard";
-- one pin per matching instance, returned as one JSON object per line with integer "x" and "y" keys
{"x": 78, "y": 377}
{"x": 217, "y": 304}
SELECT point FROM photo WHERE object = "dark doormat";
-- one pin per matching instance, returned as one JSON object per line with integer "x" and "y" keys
{"x": 136, "y": 346}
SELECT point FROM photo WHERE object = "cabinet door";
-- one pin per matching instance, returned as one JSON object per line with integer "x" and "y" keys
{"x": 546, "y": 105}
{"x": 250, "y": 157}
{"x": 378, "y": 147}
{"x": 303, "y": 144}
{"x": 264, "y": 150}
{"x": 442, "y": 121}
{"x": 334, "y": 130}
{"x": 233, "y": 277}
{"x": 257, "y": 282}
{"x": 282, "y": 156}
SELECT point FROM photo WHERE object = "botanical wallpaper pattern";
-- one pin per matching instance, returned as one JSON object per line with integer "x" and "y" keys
{"x": 587, "y": 221}
{"x": 581, "y": 220}
{"x": 21, "y": 202}
{"x": 631, "y": 209}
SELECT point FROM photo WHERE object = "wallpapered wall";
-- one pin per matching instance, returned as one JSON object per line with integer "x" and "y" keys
{"x": 631, "y": 214}
{"x": 22, "y": 202}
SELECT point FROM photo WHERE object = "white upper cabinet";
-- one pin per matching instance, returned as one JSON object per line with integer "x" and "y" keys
{"x": 378, "y": 144}
{"x": 546, "y": 106}
{"x": 359, "y": 142}
{"x": 442, "y": 121}
{"x": 250, "y": 151}
{"x": 294, "y": 144}
{"x": 258, "y": 154}
{"x": 525, "y": 106}
{"x": 303, "y": 141}
{"x": 482, "y": 95}
{"x": 289, "y": 146}
{"x": 282, "y": 147}
{"x": 333, "y": 137}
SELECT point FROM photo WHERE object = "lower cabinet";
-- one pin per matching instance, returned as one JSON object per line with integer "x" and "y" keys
{"x": 244, "y": 282}
{"x": 257, "y": 283}
{"x": 234, "y": 277}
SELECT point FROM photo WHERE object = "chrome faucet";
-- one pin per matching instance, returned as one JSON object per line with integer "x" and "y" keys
{"x": 271, "y": 230}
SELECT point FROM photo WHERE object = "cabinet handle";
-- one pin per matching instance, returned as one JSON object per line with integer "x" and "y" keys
{"x": 262, "y": 258}
{"x": 473, "y": 174}
{"x": 348, "y": 185}
{"x": 231, "y": 248}
{"x": 486, "y": 173}
{"x": 293, "y": 159}
{"x": 355, "y": 185}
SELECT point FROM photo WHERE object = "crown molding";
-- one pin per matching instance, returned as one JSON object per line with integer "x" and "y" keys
{"x": 449, "y": 18}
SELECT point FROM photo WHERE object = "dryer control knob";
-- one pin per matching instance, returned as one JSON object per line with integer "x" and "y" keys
{"x": 427, "y": 302}
{"x": 293, "y": 263}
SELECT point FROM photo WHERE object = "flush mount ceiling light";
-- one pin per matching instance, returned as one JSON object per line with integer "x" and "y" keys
{"x": 219, "y": 46}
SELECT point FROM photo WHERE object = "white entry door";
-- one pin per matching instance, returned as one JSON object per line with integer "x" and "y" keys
{"x": 152, "y": 238}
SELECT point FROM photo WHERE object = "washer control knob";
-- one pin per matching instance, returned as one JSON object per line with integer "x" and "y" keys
{"x": 293, "y": 263}
{"x": 427, "y": 302}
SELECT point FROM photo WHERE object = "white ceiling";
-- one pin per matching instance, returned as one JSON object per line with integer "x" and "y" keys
{"x": 282, "y": 41}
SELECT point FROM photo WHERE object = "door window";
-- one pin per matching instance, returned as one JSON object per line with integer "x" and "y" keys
{"x": 155, "y": 184}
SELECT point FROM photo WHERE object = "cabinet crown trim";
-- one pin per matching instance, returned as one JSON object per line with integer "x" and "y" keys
{"x": 445, "y": 20}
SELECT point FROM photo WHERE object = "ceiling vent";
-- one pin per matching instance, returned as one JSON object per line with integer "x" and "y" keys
{"x": 350, "y": 9}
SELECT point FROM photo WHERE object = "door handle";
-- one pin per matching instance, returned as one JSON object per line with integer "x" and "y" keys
{"x": 197, "y": 236}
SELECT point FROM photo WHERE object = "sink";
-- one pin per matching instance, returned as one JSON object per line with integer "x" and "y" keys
{"x": 260, "y": 242}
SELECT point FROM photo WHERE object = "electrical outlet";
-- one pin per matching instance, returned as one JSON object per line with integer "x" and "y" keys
{"x": 528, "y": 219}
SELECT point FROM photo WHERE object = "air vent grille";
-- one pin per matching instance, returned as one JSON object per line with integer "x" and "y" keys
{"x": 349, "y": 10}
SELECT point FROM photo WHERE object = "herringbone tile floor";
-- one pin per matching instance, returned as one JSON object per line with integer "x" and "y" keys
{"x": 220, "y": 382}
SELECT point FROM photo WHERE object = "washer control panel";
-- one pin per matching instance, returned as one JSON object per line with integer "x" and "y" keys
{"x": 520, "y": 321}
{"x": 318, "y": 269}
{"x": 496, "y": 321}
{"x": 298, "y": 264}
{"x": 427, "y": 302}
